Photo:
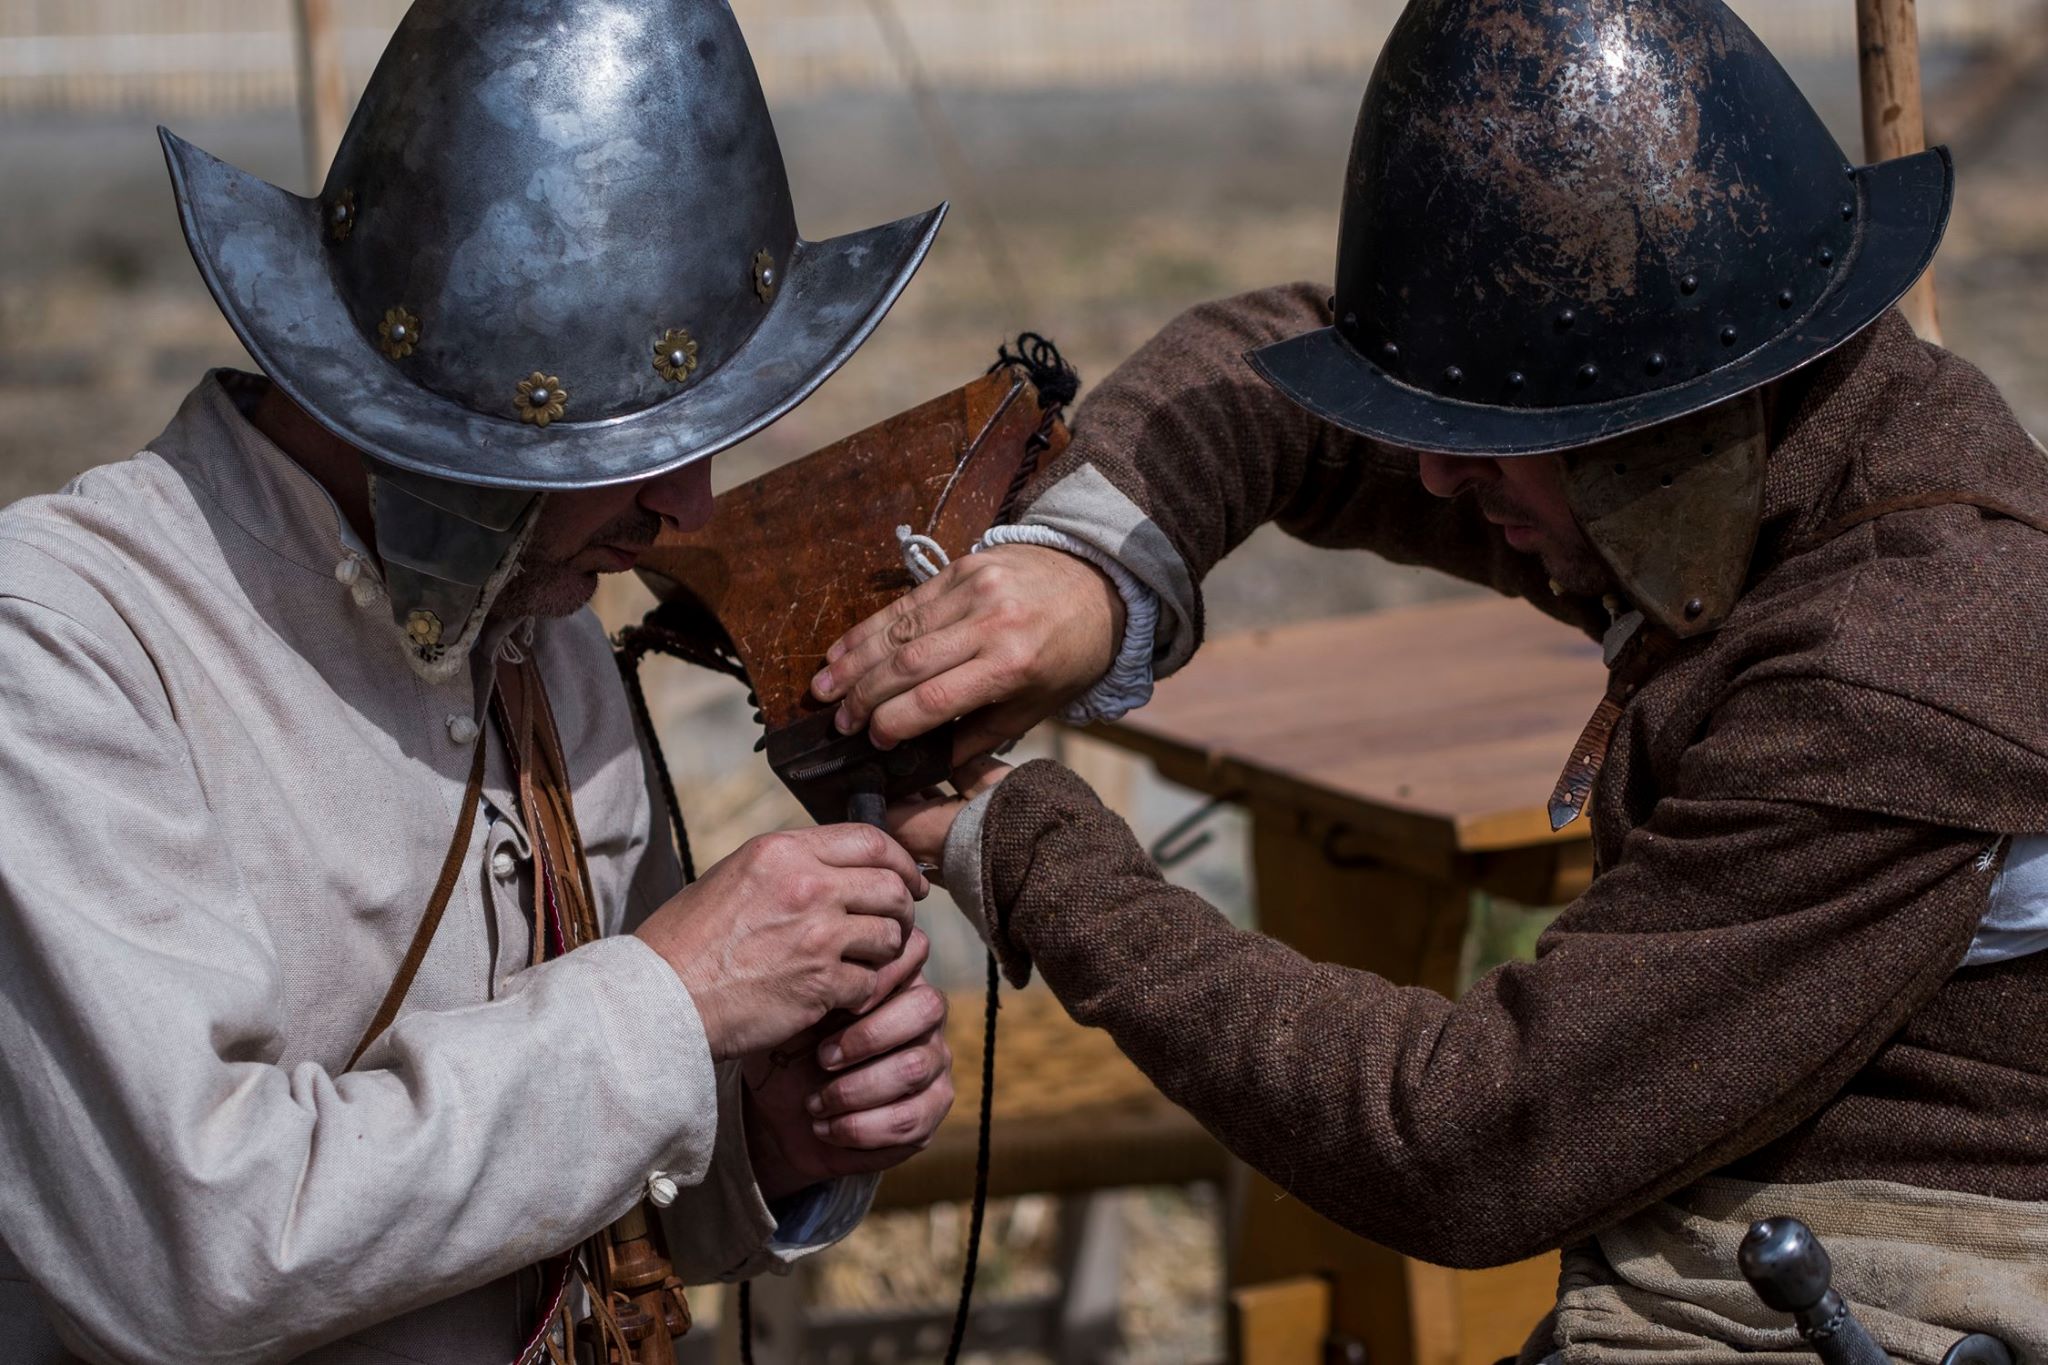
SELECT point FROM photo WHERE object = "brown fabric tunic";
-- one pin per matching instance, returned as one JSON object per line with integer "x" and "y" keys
{"x": 1790, "y": 832}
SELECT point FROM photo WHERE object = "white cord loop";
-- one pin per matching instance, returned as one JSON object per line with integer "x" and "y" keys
{"x": 922, "y": 555}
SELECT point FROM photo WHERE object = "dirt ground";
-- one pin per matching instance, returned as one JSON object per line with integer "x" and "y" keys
{"x": 1112, "y": 209}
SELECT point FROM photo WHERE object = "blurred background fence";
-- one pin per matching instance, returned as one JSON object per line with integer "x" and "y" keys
{"x": 190, "y": 56}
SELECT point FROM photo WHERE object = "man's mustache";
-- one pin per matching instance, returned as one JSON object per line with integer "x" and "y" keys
{"x": 1498, "y": 505}
{"x": 635, "y": 530}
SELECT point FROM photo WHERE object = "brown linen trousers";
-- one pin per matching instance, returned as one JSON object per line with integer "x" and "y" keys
{"x": 1792, "y": 835}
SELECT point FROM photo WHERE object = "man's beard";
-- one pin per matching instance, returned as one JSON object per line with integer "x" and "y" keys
{"x": 550, "y": 587}
{"x": 1576, "y": 569}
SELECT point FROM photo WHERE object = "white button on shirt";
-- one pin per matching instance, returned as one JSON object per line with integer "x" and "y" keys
{"x": 462, "y": 730}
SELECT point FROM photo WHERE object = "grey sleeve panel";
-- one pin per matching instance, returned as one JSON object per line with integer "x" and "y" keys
{"x": 960, "y": 864}
{"x": 1088, "y": 507}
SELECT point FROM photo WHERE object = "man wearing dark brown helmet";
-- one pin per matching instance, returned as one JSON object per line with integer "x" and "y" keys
{"x": 1612, "y": 332}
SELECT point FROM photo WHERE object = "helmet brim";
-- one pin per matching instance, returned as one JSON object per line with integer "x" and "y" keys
{"x": 262, "y": 253}
{"x": 1905, "y": 208}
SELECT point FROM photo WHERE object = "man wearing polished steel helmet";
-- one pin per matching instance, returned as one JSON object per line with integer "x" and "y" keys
{"x": 1612, "y": 332}
{"x": 355, "y": 1009}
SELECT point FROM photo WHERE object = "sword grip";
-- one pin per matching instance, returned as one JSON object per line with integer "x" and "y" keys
{"x": 1790, "y": 1271}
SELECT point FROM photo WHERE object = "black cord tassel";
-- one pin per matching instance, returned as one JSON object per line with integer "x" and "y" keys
{"x": 1057, "y": 382}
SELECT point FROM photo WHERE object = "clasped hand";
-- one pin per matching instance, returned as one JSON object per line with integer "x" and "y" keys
{"x": 998, "y": 641}
{"x": 790, "y": 929}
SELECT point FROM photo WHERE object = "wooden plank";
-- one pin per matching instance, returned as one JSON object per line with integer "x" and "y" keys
{"x": 1437, "y": 729}
{"x": 1282, "y": 1322}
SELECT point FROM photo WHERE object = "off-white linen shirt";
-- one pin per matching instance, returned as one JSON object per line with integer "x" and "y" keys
{"x": 224, "y": 798}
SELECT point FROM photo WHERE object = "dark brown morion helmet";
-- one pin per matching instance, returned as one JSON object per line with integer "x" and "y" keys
{"x": 1565, "y": 220}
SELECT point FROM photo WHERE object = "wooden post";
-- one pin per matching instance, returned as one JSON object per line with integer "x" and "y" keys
{"x": 1888, "y": 60}
{"x": 323, "y": 86}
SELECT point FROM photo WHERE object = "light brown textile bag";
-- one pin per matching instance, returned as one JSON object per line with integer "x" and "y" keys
{"x": 1921, "y": 1268}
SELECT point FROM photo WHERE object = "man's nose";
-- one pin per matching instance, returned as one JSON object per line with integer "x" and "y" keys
{"x": 1449, "y": 475}
{"x": 682, "y": 498}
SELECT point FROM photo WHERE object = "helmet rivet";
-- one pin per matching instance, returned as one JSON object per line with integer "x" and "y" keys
{"x": 1515, "y": 380}
{"x": 1848, "y": 211}
{"x": 1453, "y": 375}
{"x": 1655, "y": 363}
{"x": 541, "y": 399}
{"x": 767, "y": 278}
{"x": 1848, "y": 170}
{"x": 1784, "y": 298}
{"x": 1728, "y": 336}
{"x": 1693, "y": 608}
{"x": 1588, "y": 372}
{"x": 1688, "y": 284}
{"x": 675, "y": 355}
{"x": 1565, "y": 319}
{"x": 1389, "y": 352}
{"x": 1351, "y": 322}
{"x": 398, "y": 333}
{"x": 1825, "y": 257}
{"x": 341, "y": 216}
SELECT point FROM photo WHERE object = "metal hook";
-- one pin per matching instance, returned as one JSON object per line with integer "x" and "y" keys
{"x": 1186, "y": 837}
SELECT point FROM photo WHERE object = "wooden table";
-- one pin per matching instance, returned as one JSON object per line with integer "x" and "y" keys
{"x": 1399, "y": 760}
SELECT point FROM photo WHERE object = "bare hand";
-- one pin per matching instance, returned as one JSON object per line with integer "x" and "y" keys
{"x": 921, "y": 824}
{"x": 1003, "y": 638}
{"x": 860, "y": 1098}
{"x": 788, "y": 928}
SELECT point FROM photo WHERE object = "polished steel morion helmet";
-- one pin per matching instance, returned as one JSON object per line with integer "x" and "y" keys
{"x": 1571, "y": 221}
{"x": 556, "y": 250}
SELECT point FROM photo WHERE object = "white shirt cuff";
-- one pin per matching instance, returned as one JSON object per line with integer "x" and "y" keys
{"x": 1128, "y": 684}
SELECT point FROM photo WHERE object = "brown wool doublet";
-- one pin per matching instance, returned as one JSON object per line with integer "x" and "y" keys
{"x": 1791, "y": 832}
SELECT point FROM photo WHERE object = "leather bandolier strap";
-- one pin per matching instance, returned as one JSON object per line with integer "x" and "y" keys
{"x": 430, "y": 918}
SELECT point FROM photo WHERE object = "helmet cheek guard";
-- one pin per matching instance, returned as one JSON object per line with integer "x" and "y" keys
{"x": 1673, "y": 510}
